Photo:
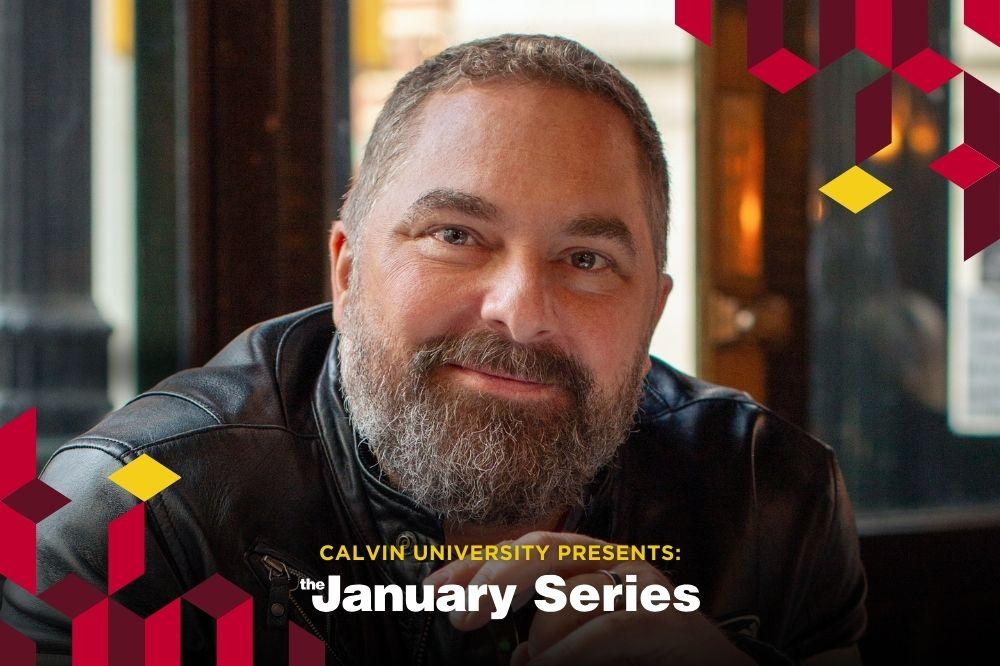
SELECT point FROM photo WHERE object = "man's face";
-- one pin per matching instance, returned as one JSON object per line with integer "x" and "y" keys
{"x": 495, "y": 325}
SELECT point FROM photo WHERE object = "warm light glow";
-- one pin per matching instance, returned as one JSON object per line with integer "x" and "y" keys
{"x": 892, "y": 151}
{"x": 750, "y": 219}
{"x": 750, "y": 213}
{"x": 923, "y": 138}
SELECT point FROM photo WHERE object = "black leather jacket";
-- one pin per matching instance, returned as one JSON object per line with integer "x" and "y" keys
{"x": 271, "y": 471}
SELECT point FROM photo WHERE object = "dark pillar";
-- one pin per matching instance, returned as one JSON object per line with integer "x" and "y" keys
{"x": 53, "y": 342}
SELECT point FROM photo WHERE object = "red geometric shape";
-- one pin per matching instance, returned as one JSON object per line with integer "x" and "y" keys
{"x": 36, "y": 500}
{"x": 126, "y": 637}
{"x": 982, "y": 132}
{"x": 126, "y": 547}
{"x": 154, "y": 641}
{"x": 765, "y": 29}
{"x": 983, "y": 16}
{"x": 836, "y": 30}
{"x": 163, "y": 636}
{"x": 17, "y": 467}
{"x": 965, "y": 166}
{"x": 17, "y": 556}
{"x": 234, "y": 636}
{"x": 216, "y": 596}
{"x": 783, "y": 70}
{"x": 90, "y": 636}
{"x": 17, "y": 452}
{"x": 982, "y": 215}
{"x": 72, "y": 596}
{"x": 982, "y": 117}
{"x": 232, "y": 609}
{"x": 928, "y": 70}
{"x": 909, "y": 29}
{"x": 873, "y": 118}
{"x": 17, "y": 649}
{"x": 695, "y": 18}
{"x": 873, "y": 29}
{"x": 304, "y": 649}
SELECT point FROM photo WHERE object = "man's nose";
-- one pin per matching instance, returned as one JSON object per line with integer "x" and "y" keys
{"x": 518, "y": 302}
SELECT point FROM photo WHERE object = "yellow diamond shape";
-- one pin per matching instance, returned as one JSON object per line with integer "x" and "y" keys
{"x": 144, "y": 477}
{"x": 855, "y": 189}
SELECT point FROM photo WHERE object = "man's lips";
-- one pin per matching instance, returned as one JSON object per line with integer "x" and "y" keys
{"x": 498, "y": 374}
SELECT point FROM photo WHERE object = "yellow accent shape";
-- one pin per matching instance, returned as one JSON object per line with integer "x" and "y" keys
{"x": 855, "y": 189}
{"x": 144, "y": 477}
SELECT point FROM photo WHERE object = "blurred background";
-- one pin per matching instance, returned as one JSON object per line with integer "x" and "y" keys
{"x": 169, "y": 168}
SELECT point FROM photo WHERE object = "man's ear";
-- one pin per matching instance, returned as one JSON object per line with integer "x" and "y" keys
{"x": 341, "y": 259}
{"x": 663, "y": 292}
{"x": 664, "y": 287}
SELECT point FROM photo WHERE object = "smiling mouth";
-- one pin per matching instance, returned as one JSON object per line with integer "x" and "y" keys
{"x": 499, "y": 381}
{"x": 499, "y": 375}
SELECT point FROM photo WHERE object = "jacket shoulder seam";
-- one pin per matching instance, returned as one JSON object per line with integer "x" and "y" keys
{"x": 72, "y": 447}
{"x": 135, "y": 448}
{"x": 180, "y": 396}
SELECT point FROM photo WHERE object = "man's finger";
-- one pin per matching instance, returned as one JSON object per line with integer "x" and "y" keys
{"x": 547, "y": 629}
{"x": 643, "y": 637}
{"x": 608, "y": 639}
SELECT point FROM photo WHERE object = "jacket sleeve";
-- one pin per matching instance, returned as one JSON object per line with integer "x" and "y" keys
{"x": 833, "y": 613}
{"x": 74, "y": 540}
{"x": 810, "y": 587}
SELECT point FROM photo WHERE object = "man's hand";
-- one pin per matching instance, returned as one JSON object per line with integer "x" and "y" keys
{"x": 596, "y": 637}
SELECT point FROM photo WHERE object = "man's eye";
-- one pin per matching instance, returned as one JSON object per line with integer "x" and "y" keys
{"x": 588, "y": 261}
{"x": 452, "y": 236}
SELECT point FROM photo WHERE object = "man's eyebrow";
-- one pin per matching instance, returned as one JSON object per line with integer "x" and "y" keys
{"x": 599, "y": 226}
{"x": 448, "y": 199}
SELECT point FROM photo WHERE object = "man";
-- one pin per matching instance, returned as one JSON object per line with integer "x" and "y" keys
{"x": 496, "y": 278}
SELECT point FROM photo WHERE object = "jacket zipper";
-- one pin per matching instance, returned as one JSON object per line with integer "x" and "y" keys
{"x": 280, "y": 571}
{"x": 422, "y": 644}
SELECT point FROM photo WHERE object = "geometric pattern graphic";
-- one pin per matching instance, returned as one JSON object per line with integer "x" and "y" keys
{"x": 304, "y": 649}
{"x": 982, "y": 133}
{"x": 873, "y": 118}
{"x": 928, "y": 70}
{"x": 144, "y": 477}
{"x": 232, "y": 609}
{"x": 17, "y": 650}
{"x": 855, "y": 189}
{"x": 126, "y": 547}
{"x": 87, "y": 608}
{"x": 103, "y": 632}
{"x": 893, "y": 33}
{"x": 24, "y": 500}
{"x": 983, "y": 16}
{"x": 695, "y": 18}
{"x": 783, "y": 70}
{"x": 965, "y": 166}
{"x": 36, "y": 500}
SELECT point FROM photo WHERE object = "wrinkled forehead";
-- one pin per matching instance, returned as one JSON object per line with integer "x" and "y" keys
{"x": 536, "y": 152}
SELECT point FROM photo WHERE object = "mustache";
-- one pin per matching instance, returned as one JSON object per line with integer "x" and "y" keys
{"x": 492, "y": 352}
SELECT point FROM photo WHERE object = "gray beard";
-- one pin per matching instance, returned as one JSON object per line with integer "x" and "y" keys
{"x": 477, "y": 458}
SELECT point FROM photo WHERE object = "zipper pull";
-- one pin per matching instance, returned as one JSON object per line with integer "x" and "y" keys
{"x": 279, "y": 587}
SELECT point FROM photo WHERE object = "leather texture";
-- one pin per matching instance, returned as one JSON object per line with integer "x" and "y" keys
{"x": 271, "y": 470}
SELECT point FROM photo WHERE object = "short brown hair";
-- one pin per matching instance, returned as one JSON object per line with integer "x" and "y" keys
{"x": 519, "y": 58}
